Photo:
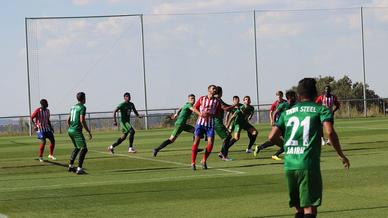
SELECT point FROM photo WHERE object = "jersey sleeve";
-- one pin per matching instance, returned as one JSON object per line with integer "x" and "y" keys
{"x": 82, "y": 112}
{"x": 120, "y": 106}
{"x": 273, "y": 106}
{"x": 319, "y": 100}
{"x": 198, "y": 103}
{"x": 33, "y": 115}
{"x": 326, "y": 115}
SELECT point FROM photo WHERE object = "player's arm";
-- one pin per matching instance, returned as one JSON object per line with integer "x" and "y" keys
{"x": 174, "y": 116}
{"x": 251, "y": 114}
{"x": 334, "y": 140}
{"x": 49, "y": 123}
{"x": 84, "y": 125}
{"x": 273, "y": 107}
{"x": 337, "y": 105}
{"x": 135, "y": 111}
{"x": 196, "y": 107}
{"x": 68, "y": 121}
{"x": 319, "y": 100}
{"x": 114, "y": 116}
{"x": 33, "y": 119}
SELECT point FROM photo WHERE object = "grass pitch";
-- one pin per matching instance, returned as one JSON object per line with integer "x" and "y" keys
{"x": 138, "y": 185}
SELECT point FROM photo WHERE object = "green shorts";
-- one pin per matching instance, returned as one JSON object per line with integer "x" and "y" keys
{"x": 179, "y": 128}
{"x": 238, "y": 126}
{"x": 77, "y": 138}
{"x": 220, "y": 129}
{"x": 125, "y": 127}
{"x": 304, "y": 188}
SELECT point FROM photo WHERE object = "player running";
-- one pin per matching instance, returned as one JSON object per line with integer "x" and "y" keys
{"x": 42, "y": 125}
{"x": 182, "y": 115}
{"x": 125, "y": 109}
{"x": 206, "y": 107}
{"x": 302, "y": 128}
{"x": 330, "y": 101}
{"x": 77, "y": 122}
{"x": 241, "y": 117}
{"x": 291, "y": 100}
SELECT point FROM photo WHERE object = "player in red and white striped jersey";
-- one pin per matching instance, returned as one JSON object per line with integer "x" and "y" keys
{"x": 206, "y": 107}
{"x": 42, "y": 125}
{"x": 330, "y": 101}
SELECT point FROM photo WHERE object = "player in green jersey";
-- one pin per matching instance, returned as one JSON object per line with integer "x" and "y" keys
{"x": 182, "y": 115}
{"x": 241, "y": 118}
{"x": 77, "y": 122}
{"x": 125, "y": 109}
{"x": 302, "y": 126}
{"x": 291, "y": 100}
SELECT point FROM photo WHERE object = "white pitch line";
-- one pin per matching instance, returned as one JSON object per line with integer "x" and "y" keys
{"x": 112, "y": 182}
{"x": 164, "y": 161}
{"x": 3, "y": 216}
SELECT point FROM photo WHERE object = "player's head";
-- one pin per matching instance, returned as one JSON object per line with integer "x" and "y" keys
{"x": 236, "y": 99}
{"x": 307, "y": 89}
{"x": 191, "y": 98}
{"x": 43, "y": 103}
{"x": 127, "y": 97}
{"x": 81, "y": 97}
{"x": 211, "y": 90}
{"x": 219, "y": 92}
{"x": 327, "y": 90}
{"x": 247, "y": 100}
{"x": 279, "y": 95}
{"x": 291, "y": 96}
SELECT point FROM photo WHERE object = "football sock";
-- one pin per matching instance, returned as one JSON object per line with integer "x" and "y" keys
{"x": 266, "y": 145}
{"x": 224, "y": 149}
{"x": 41, "y": 149}
{"x": 164, "y": 144}
{"x": 299, "y": 215}
{"x": 231, "y": 143}
{"x": 310, "y": 215}
{"x": 279, "y": 152}
{"x": 131, "y": 139}
{"x": 74, "y": 155}
{"x": 52, "y": 149}
{"x": 119, "y": 140}
{"x": 208, "y": 151}
{"x": 194, "y": 151}
{"x": 82, "y": 156}
{"x": 252, "y": 139}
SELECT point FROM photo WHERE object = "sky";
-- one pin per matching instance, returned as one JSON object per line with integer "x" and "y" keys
{"x": 188, "y": 45}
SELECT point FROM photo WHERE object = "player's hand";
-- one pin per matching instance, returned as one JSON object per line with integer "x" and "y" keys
{"x": 90, "y": 136}
{"x": 52, "y": 130}
{"x": 114, "y": 123}
{"x": 139, "y": 117}
{"x": 272, "y": 123}
{"x": 345, "y": 162}
{"x": 35, "y": 128}
{"x": 174, "y": 116}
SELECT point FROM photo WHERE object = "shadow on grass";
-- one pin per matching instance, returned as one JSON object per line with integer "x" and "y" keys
{"x": 328, "y": 211}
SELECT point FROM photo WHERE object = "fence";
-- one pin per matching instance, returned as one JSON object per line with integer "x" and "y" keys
{"x": 160, "y": 118}
{"x": 170, "y": 55}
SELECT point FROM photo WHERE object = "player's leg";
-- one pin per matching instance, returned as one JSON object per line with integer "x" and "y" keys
{"x": 209, "y": 147}
{"x": 310, "y": 191}
{"x": 265, "y": 145}
{"x": 252, "y": 135}
{"x": 299, "y": 212}
{"x": 81, "y": 144}
{"x": 74, "y": 153}
{"x": 174, "y": 135}
{"x": 278, "y": 153}
{"x": 194, "y": 149}
{"x": 310, "y": 212}
{"x": 50, "y": 136}
{"x": 125, "y": 131}
{"x": 42, "y": 144}
{"x": 131, "y": 148}
{"x": 293, "y": 192}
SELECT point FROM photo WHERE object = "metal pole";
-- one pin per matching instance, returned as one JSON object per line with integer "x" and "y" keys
{"x": 144, "y": 74}
{"x": 60, "y": 124}
{"x": 256, "y": 67}
{"x": 28, "y": 78}
{"x": 363, "y": 61}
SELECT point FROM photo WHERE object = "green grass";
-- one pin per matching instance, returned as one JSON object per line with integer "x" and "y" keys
{"x": 138, "y": 185}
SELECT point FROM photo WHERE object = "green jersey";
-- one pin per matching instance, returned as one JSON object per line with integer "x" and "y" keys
{"x": 247, "y": 111}
{"x": 75, "y": 121}
{"x": 184, "y": 114}
{"x": 125, "y": 111}
{"x": 302, "y": 128}
{"x": 281, "y": 108}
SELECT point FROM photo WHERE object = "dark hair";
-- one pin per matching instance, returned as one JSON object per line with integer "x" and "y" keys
{"x": 247, "y": 96}
{"x": 191, "y": 95}
{"x": 290, "y": 93}
{"x": 127, "y": 94}
{"x": 42, "y": 101}
{"x": 211, "y": 86}
{"x": 218, "y": 89}
{"x": 81, "y": 96}
{"x": 279, "y": 93}
{"x": 234, "y": 97}
{"x": 307, "y": 88}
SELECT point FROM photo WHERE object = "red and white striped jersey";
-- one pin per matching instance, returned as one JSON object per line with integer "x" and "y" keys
{"x": 328, "y": 101}
{"x": 211, "y": 106}
{"x": 42, "y": 119}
